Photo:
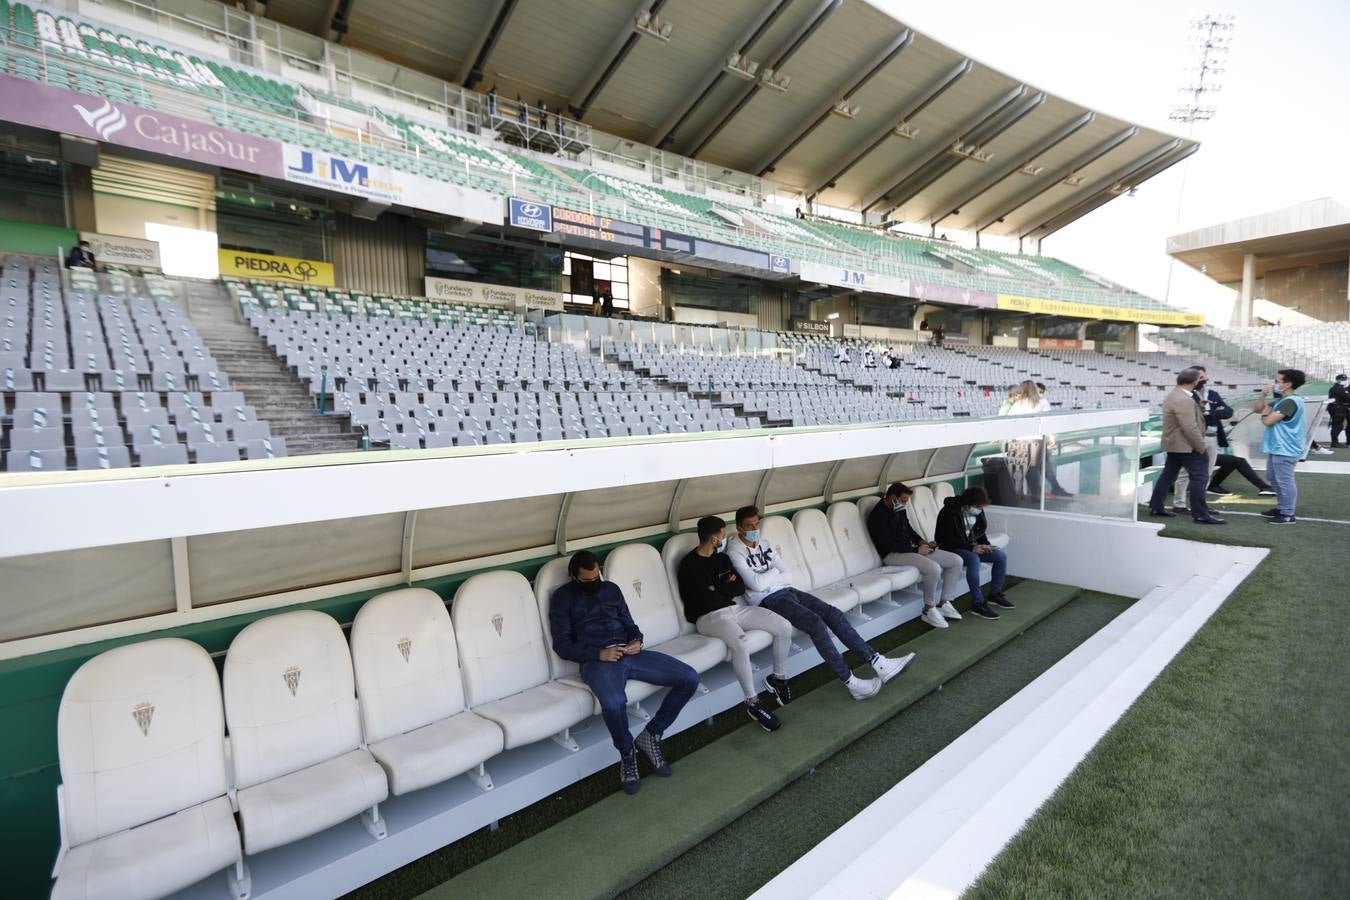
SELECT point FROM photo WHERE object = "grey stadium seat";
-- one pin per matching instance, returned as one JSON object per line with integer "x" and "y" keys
{"x": 113, "y": 457}
{"x": 224, "y": 451}
{"x": 35, "y": 460}
{"x": 162, "y": 454}
{"x": 265, "y": 448}
{"x": 53, "y": 437}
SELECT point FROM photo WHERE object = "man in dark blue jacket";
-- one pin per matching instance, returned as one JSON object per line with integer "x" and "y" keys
{"x": 590, "y": 624}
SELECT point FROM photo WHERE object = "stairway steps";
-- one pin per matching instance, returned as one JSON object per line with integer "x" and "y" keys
{"x": 275, "y": 393}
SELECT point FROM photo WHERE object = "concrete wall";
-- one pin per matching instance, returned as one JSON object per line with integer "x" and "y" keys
{"x": 1318, "y": 291}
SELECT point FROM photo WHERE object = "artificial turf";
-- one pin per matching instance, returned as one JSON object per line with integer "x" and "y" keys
{"x": 1230, "y": 776}
{"x": 916, "y": 734}
{"x": 727, "y": 780}
{"x": 1319, "y": 496}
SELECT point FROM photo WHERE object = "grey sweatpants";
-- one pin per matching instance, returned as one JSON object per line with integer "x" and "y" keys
{"x": 729, "y": 625}
{"x": 938, "y": 566}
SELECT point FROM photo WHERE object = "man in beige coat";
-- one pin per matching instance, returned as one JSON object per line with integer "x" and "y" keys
{"x": 1183, "y": 439}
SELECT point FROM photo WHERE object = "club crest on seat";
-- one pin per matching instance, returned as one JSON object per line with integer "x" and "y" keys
{"x": 292, "y": 678}
{"x": 143, "y": 713}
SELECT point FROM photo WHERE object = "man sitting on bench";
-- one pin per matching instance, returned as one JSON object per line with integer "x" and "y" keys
{"x": 709, "y": 587}
{"x": 768, "y": 583}
{"x": 591, "y": 625}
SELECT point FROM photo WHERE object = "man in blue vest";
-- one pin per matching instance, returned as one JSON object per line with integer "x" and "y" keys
{"x": 1284, "y": 441}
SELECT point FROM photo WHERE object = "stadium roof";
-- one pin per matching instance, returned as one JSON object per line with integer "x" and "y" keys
{"x": 1304, "y": 234}
{"x": 1033, "y": 162}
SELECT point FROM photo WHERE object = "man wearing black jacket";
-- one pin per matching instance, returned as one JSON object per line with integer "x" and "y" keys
{"x": 590, "y": 624}
{"x": 962, "y": 529}
{"x": 709, "y": 587}
{"x": 898, "y": 544}
{"x": 1215, "y": 411}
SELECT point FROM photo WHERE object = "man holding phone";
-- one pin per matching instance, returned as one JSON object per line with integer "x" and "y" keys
{"x": 898, "y": 544}
{"x": 1284, "y": 441}
{"x": 590, "y": 624}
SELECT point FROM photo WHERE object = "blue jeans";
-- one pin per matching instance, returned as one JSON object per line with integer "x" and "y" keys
{"x": 972, "y": 561}
{"x": 606, "y": 680}
{"x": 1280, "y": 474}
{"x": 817, "y": 619}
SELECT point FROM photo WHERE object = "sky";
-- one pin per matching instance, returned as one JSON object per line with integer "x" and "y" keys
{"x": 1281, "y": 134}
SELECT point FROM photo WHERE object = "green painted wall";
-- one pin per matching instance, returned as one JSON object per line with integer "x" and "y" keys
{"x": 45, "y": 240}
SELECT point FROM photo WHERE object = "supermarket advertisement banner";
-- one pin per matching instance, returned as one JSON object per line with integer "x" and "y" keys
{"x": 1070, "y": 309}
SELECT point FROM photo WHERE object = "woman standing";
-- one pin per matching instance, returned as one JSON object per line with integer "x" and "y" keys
{"x": 1024, "y": 455}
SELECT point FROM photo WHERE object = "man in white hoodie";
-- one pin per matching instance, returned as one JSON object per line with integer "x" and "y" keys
{"x": 768, "y": 583}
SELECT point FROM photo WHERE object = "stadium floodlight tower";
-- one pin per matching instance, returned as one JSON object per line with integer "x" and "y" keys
{"x": 1210, "y": 37}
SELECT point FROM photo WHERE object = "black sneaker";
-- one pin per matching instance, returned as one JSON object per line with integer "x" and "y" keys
{"x": 983, "y": 611}
{"x": 1217, "y": 492}
{"x": 1271, "y": 513}
{"x": 998, "y": 598}
{"x": 1281, "y": 520}
{"x": 779, "y": 688}
{"x": 650, "y": 745}
{"x": 762, "y": 717}
{"x": 628, "y": 774}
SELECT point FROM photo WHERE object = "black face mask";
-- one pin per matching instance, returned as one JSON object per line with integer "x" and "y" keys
{"x": 590, "y": 587}
{"x": 1200, "y": 386}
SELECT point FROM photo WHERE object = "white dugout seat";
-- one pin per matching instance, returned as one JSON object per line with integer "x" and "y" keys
{"x": 552, "y": 576}
{"x": 503, "y": 656}
{"x": 827, "y": 563}
{"x": 779, "y": 532}
{"x": 295, "y": 733}
{"x": 642, "y": 577}
{"x": 673, "y": 553}
{"x": 857, "y": 550}
{"x": 142, "y": 801}
{"x": 411, "y": 696}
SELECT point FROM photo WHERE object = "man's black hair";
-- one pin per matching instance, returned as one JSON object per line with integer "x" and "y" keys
{"x": 974, "y": 496}
{"x": 582, "y": 560}
{"x": 1188, "y": 376}
{"x": 746, "y": 512}
{"x": 1294, "y": 376}
{"x": 899, "y": 489}
{"x": 708, "y": 526}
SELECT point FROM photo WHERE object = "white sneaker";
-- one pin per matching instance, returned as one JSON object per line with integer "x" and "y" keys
{"x": 948, "y": 610}
{"x": 889, "y": 668}
{"x": 1322, "y": 451}
{"x": 933, "y": 617}
{"x": 862, "y": 688}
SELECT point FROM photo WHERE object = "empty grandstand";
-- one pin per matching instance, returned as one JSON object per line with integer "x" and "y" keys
{"x": 357, "y": 360}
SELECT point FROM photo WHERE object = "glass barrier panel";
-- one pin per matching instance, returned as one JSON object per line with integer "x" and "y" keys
{"x": 1092, "y": 472}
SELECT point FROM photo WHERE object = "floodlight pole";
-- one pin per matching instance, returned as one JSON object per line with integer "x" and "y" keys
{"x": 1211, "y": 36}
